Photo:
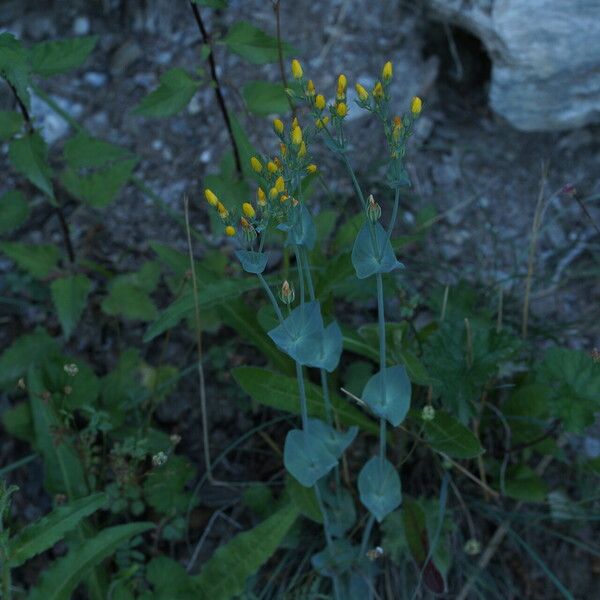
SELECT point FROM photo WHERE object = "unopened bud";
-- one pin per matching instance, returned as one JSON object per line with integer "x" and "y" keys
{"x": 159, "y": 459}
{"x": 287, "y": 293}
{"x": 472, "y": 547}
{"x": 175, "y": 439}
{"x": 71, "y": 369}
{"x": 68, "y": 390}
{"x": 373, "y": 210}
{"x": 375, "y": 553}
{"x": 21, "y": 384}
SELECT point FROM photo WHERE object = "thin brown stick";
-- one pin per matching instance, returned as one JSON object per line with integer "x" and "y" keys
{"x": 206, "y": 39}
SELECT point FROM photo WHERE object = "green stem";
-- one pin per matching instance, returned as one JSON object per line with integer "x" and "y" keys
{"x": 393, "y": 219}
{"x": 382, "y": 360}
{"x": 6, "y": 581}
{"x": 300, "y": 274}
{"x": 366, "y": 535}
{"x": 271, "y": 297}
{"x": 302, "y": 391}
{"x": 355, "y": 182}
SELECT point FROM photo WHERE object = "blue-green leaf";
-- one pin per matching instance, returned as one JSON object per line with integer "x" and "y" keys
{"x": 252, "y": 262}
{"x": 335, "y": 441}
{"x": 395, "y": 402}
{"x": 327, "y": 354}
{"x": 340, "y": 509}
{"x": 379, "y": 487}
{"x": 336, "y": 559}
{"x": 306, "y": 457}
{"x": 372, "y": 252}
{"x": 301, "y": 229}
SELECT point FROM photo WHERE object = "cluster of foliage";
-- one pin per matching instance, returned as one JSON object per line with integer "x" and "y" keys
{"x": 462, "y": 410}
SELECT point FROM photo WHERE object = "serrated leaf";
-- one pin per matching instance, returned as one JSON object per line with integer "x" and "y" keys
{"x": 169, "y": 579}
{"x": 129, "y": 301}
{"x": 253, "y": 44}
{"x": 264, "y": 98}
{"x": 224, "y": 576}
{"x": 391, "y": 398}
{"x": 69, "y": 295}
{"x": 523, "y": 483}
{"x": 60, "y": 579}
{"x": 172, "y": 95}
{"x": 445, "y": 434}
{"x": 43, "y": 534}
{"x": 14, "y": 66}
{"x": 14, "y": 211}
{"x": 11, "y": 123}
{"x": 60, "y": 56}
{"x": 164, "y": 488}
{"x": 84, "y": 151}
{"x": 372, "y": 252}
{"x": 28, "y": 156}
{"x": 100, "y": 187}
{"x": 379, "y": 487}
{"x": 38, "y": 259}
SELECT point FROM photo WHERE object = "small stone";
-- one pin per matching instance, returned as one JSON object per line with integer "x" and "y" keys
{"x": 95, "y": 79}
{"x": 206, "y": 157}
{"x": 195, "y": 104}
{"x": 81, "y": 26}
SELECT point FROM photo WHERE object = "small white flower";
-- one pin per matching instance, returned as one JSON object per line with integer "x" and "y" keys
{"x": 71, "y": 369}
{"x": 472, "y": 547}
{"x": 158, "y": 460}
{"x": 428, "y": 413}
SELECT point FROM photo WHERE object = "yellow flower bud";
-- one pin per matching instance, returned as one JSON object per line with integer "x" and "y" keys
{"x": 312, "y": 168}
{"x": 244, "y": 223}
{"x": 378, "y": 91}
{"x": 248, "y": 210}
{"x": 342, "y": 82}
{"x": 310, "y": 88}
{"x": 280, "y": 184}
{"x": 302, "y": 150}
{"x": 397, "y": 128}
{"x": 387, "y": 71}
{"x": 416, "y": 105}
{"x": 297, "y": 69}
{"x": 273, "y": 193}
{"x": 271, "y": 167}
{"x": 362, "y": 93}
{"x": 277, "y": 163}
{"x": 283, "y": 149}
{"x": 295, "y": 122}
{"x": 230, "y": 230}
{"x": 297, "y": 135}
{"x": 211, "y": 197}
{"x": 278, "y": 126}
{"x": 261, "y": 197}
{"x": 320, "y": 101}
{"x": 341, "y": 109}
{"x": 256, "y": 164}
{"x": 223, "y": 212}
{"x": 320, "y": 123}
{"x": 284, "y": 198}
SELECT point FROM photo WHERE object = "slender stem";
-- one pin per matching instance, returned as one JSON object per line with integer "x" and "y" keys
{"x": 357, "y": 188}
{"x": 271, "y": 297}
{"x": 382, "y": 361}
{"x": 366, "y": 535}
{"x": 217, "y": 86}
{"x": 302, "y": 391}
{"x": 6, "y": 581}
{"x": 393, "y": 219}
{"x": 300, "y": 274}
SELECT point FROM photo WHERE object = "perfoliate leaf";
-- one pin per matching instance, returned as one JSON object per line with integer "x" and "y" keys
{"x": 264, "y": 98}
{"x": 69, "y": 295}
{"x": 372, "y": 252}
{"x": 389, "y": 398}
{"x": 224, "y": 576}
{"x": 379, "y": 487}
{"x": 335, "y": 441}
{"x": 43, "y": 534}
{"x": 301, "y": 229}
{"x": 336, "y": 559}
{"x": 253, "y": 44}
{"x": 173, "y": 94}
{"x": 306, "y": 457}
{"x": 304, "y": 499}
{"x": 60, "y": 579}
{"x": 447, "y": 435}
{"x": 340, "y": 508}
{"x": 28, "y": 157}
{"x": 252, "y": 262}
{"x": 38, "y": 259}
{"x": 14, "y": 211}
{"x": 11, "y": 122}
{"x": 59, "y": 56}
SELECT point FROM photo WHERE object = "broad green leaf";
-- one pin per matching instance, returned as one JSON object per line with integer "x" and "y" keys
{"x": 101, "y": 186}
{"x": 211, "y": 3}
{"x": 389, "y": 396}
{"x": 245, "y": 147}
{"x": 84, "y": 151}
{"x": 18, "y": 422}
{"x": 26, "y": 351}
{"x": 14, "y": 66}
{"x": 224, "y": 576}
{"x": 69, "y": 295}
{"x": 43, "y": 534}
{"x": 264, "y": 98}
{"x": 28, "y": 156}
{"x": 253, "y": 44}
{"x": 164, "y": 488}
{"x": 14, "y": 211}
{"x": 38, "y": 259}
{"x": 445, "y": 434}
{"x": 173, "y": 94}
{"x": 11, "y": 123}
{"x": 59, "y": 56}
{"x": 169, "y": 580}
{"x": 523, "y": 483}
{"x": 129, "y": 301}
{"x": 60, "y": 580}
{"x": 379, "y": 487}
{"x": 281, "y": 392}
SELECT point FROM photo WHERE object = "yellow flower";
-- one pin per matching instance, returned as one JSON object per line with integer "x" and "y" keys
{"x": 297, "y": 135}
{"x": 261, "y": 197}
{"x": 280, "y": 184}
{"x": 248, "y": 210}
{"x": 320, "y": 123}
{"x": 230, "y": 230}
{"x": 273, "y": 193}
{"x": 277, "y": 163}
{"x": 341, "y": 109}
{"x": 362, "y": 93}
{"x": 297, "y": 69}
{"x": 256, "y": 164}
{"x": 386, "y": 72}
{"x": 312, "y": 168}
{"x": 342, "y": 82}
{"x": 302, "y": 150}
{"x": 211, "y": 197}
{"x": 416, "y": 105}
{"x": 272, "y": 167}
{"x": 378, "y": 91}
{"x": 295, "y": 123}
{"x": 320, "y": 101}
{"x": 310, "y": 88}
{"x": 278, "y": 126}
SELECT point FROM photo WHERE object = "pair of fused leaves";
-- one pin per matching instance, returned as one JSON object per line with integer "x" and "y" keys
{"x": 303, "y": 336}
{"x": 387, "y": 394}
{"x": 311, "y": 453}
{"x": 373, "y": 253}
{"x": 379, "y": 487}
{"x": 301, "y": 230}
